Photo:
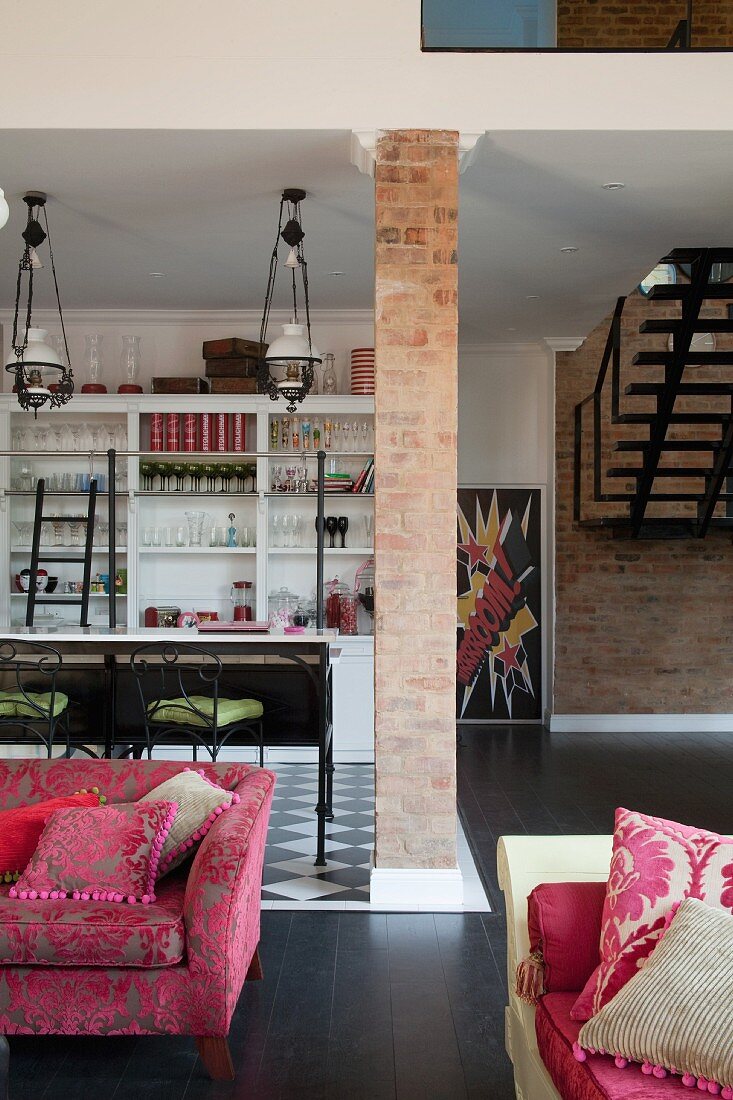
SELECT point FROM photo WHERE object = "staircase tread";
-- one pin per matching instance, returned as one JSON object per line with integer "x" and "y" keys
{"x": 668, "y": 445}
{"x": 723, "y": 358}
{"x": 675, "y": 418}
{"x": 670, "y": 292}
{"x": 661, "y": 471}
{"x": 685, "y": 389}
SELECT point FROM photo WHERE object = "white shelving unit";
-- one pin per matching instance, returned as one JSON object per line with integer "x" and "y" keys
{"x": 192, "y": 577}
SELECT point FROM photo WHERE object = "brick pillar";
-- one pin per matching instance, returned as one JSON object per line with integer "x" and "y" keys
{"x": 416, "y": 332}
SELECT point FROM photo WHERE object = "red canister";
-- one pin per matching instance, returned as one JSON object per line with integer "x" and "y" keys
{"x": 172, "y": 432}
{"x": 189, "y": 431}
{"x": 156, "y": 432}
{"x": 239, "y": 434}
{"x": 221, "y": 431}
{"x": 206, "y": 429}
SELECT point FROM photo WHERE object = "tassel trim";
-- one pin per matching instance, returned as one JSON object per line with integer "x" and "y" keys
{"x": 530, "y": 984}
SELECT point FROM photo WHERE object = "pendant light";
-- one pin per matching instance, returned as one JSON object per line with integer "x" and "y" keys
{"x": 4, "y": 209}
{"x": 286, "y": 368}
{"x": 32, "y": 357}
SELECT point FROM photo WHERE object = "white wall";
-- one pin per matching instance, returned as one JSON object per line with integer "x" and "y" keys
{"x": 506, "y": 437}
{"x": 328, "y": 64}
{"x": 504, "y": 414}
{"x": 171, "y": 339}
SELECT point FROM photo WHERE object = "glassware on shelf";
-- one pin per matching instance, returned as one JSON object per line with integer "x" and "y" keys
{"x": 58, "y": 531}
{"x": 342, "y": 524}
{"x": 290, "y": 475}
{"x": 287, "y": 531}
{"x": 40, "y": 438}
{"x": 25, "y": 533}
{"x": 93, "y": 364}
{"x": 276, "y": 530}
{"x": 157, "y": 537}
{"x": 179, "y": 471}
{"x": 274, "y": 433}
{"x": 224, "y": 471}
{"x": 19, "y": 439}
{"x": 231, "y": 536}
{"x": 121, "y": 533}
{"x": 104, "y": 534}
{"x": 147, "y": 536}
{"x": 130, "y": 361}
{"x": 331, "y": 527}
{"x": 297, "y": 530}
{"x": 365, "y": 435}
{"x": 195, "y": 527}
{"x": 194, "y": 472}
{"x": 168, "y": 536}
{"x": 180, "y": 536}
{"x": 147, "y": 473}
{"x": 46, "y": 534}
{"x": 74, "y": 531}
{"x": 277, "y": 479}
{"x": 336, "y": 436}
{"x": 346, "y": 431}
{"x": 368, "y": 529}
{"x": 209, "y": 470}
{"x": 329, "y": 385}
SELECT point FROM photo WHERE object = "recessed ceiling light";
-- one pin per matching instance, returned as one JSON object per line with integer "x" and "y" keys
{"x": 157, "y": 274}
{"x": 613, "y": 186}
{"x": 511, "y": 330}
{"x": 335, "y": 274}
{"x": 532, "y": 297}
{"x": 568, "y": 249}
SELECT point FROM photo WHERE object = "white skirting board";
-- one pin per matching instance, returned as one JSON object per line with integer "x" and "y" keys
{"x": 415, "y": 886}
{"x": 640, "y": 723}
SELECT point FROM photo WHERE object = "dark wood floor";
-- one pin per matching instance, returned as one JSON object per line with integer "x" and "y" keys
{"x": 402, "y": 1006}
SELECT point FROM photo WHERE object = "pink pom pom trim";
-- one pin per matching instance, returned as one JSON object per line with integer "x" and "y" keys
{"x": 578, "y": 1053}
{"x": 689, "y": 1080}
{"x": 702, "y": 1084}
{"x": 201, "y": 831}
{"x": 621, "y": 1062}
{"x": 93, "y": 893}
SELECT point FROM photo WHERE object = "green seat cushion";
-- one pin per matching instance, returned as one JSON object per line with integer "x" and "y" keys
{"x": 177, "y": 712}
{"x": 14, "y": 704}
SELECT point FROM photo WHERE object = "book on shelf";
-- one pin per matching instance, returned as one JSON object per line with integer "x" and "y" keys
{"x": 363, "y": 476}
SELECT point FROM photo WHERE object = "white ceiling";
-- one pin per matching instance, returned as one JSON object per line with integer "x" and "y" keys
{"x": 202, "y": 207}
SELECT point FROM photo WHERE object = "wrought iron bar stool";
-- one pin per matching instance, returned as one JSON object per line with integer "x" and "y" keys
{"x": 179, "y": 693}
{"x": 36, "y": 716}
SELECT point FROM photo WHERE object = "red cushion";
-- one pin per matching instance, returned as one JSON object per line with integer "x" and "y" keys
{"x": 597, "y": 1078}
{"x": 21, "y": 828}
{"x": 564, "y": 920}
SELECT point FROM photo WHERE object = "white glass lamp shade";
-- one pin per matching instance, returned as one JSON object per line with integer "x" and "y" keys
{"x": 4, "y": 209}
{"x": 38, "y": 353}
{"x": 293, "y": 344}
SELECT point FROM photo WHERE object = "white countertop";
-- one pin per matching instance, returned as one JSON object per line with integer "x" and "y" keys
{"x": 144, "y": 634}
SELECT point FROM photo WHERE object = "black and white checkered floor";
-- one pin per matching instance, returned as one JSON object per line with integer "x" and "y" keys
{"x": 291, "y": 881}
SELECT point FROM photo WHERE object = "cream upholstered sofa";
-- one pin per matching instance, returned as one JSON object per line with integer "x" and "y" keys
{"x": 523, "y": 863}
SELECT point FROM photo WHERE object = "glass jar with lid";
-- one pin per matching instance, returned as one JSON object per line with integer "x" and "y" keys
{"x": 348, "y": 605}
{"x": 334, "y": 590}
{"x": 282, "y": 604}
{"x": 364, "y": 589}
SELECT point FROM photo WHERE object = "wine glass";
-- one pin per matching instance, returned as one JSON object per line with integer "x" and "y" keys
{"x": 252, "y": 476}
{"x": 297, "y": 525}
{"x": 163, "y": 470}
{"x": 239, "y": 471}
{"x": 147, "y": 472}
{"x": 331, "y": 527}
{"x": 347, "y": 435}
{"x": 19, "y": 439}
{"x": 277, "y": 534}
{"x": 179, "y": 470}
{"x": 224, "y": 471}
{"x": 343, "y": 525}
{"x": 194, "y": 472}
{"x": 286, "y": 524}
{"x": 208, "y": 469}
{"x": 364, "y": 435}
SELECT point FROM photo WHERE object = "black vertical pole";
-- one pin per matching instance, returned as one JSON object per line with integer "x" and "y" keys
{"x": 320, "y": 508}
{"x": 112, "y": 551}
{"x": 688, "y": 43}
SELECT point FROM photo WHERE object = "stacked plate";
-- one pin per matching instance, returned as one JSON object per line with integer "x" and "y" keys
{"x": 362, "y": 370}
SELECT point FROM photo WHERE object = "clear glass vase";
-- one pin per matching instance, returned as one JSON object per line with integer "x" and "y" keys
{"x": 130, "y": 360}
{"x": 93, "y": 362}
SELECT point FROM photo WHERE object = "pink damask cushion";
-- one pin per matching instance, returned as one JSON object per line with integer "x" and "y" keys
{"x": 655, "y": 864}
{"x": 200, "y": 801}
{"x": 105, "y": 853}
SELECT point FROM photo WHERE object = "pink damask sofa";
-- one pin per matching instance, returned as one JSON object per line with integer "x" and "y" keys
{"x": 176, "y": 966}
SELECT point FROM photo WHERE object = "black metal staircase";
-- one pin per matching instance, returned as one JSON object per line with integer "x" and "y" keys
{"x": 678, "y": 485}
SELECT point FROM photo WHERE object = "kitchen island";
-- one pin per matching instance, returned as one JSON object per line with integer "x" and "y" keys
{"x": 313, "y": 652}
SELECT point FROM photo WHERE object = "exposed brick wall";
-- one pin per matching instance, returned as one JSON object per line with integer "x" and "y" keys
{"x": 416, "y": 333}
{"x": 646, "y": 24}
{"x": 641, "y": 626}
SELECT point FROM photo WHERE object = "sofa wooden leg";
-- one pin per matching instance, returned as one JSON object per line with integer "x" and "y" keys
{"x": 254, "y": 974}
{"x": 216, "y": 1056}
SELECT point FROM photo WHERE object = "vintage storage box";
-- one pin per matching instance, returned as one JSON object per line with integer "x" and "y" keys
{"x": 177, "y": 384}
{"x": 233, "y": 348}
{"x": 233, "y": 385}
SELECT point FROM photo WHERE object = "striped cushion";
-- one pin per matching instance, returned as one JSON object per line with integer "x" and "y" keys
{"x": 677, "y": 1012}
